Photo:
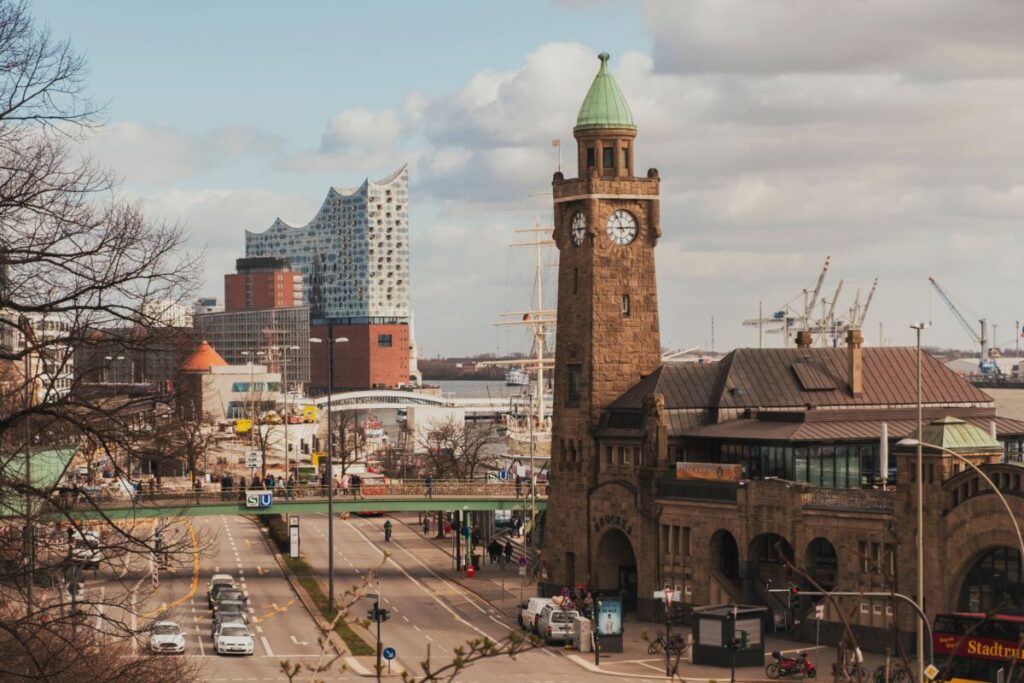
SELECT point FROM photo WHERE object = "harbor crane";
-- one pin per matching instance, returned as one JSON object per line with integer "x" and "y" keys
{"x": 986, "y": 364}
{"x": 786, "y": 319}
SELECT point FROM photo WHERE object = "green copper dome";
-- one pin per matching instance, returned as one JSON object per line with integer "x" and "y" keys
{"x": 958, "y": 435}
{"x": 604, "y": 106}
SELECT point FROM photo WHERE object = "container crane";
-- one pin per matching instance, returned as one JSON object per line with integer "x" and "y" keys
{"x": 986, "y": 365}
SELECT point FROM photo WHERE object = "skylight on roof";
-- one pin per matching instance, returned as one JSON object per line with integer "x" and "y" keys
{"x": 812, "y": 376}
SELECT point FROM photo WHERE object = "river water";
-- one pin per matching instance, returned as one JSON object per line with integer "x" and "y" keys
{"x": 1009, "y": 402}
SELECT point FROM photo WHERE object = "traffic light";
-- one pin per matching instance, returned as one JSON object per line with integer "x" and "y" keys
{"x": 378, "y": 614}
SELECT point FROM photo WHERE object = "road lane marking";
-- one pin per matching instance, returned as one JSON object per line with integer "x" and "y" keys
{"x": 195, "y": 574}
{"x": 299, "y": 642}
{"x": 405, "y": 617}
{"x": 266, "y": 646}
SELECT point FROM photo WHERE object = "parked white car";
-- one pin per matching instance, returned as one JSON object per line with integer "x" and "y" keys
{"x": 528, "y": 614}
{"x": 233, "y": 638}
{"x": 556, "y": 625}
{"x": 166, "y": 636}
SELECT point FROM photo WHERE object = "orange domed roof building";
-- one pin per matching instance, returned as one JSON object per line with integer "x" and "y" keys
{"x": 203, "y": 358}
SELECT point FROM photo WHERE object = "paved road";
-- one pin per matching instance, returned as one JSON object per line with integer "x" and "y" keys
{"x": 234, "y": 545}
{"x": 429, "y": 612}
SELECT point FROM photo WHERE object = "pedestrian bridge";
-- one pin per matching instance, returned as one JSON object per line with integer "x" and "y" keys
{"x": 383, "y": 399}
{"x": 393, "y": 496}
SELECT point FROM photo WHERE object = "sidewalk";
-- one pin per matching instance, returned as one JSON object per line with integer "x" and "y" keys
{"x": 633, "y": 661}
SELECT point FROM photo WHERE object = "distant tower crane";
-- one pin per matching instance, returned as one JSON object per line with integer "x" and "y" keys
{"x": 986, "y": 364}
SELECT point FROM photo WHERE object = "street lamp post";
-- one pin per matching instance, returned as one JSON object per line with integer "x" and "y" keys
{"x": 284, "y": 380}
{"x": 252, "y": 355}
{"x": 919, "y": 469}
{"x": 331, "y": 341}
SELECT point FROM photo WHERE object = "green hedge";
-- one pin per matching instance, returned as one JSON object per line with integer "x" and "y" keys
{"x": 304, "y": 574}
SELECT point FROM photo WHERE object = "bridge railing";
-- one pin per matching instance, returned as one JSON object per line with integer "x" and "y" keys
{"x": 401, "y": 489}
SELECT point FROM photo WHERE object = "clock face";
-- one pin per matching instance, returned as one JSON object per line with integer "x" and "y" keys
{"x": 579, "y": 228}
{"x": 622, "y": 227}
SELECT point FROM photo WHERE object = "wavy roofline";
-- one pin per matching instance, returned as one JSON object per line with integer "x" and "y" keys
{"x": 339, "y": 191}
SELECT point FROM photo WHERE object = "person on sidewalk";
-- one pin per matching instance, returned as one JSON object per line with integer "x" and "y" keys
{"x": 426, "y": 524}
{"x": 519, "y": 486}
{"x": 508, "y": 550}
{"x": 356, "y": 482}
{"x": 387, "y": 531}
{"x": 289, "y": 488}
{"x": 430, "y": 486}
{"x": 493, "y": 550}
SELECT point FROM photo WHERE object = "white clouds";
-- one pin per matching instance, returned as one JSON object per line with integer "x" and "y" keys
{"x": 361, "y": 129}
{"x": 162, "y": 153}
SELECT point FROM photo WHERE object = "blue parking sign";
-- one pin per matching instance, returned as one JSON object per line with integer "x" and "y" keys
{"x": 389, "y": 653}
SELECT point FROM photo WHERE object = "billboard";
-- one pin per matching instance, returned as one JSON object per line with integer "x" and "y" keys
{"x": 709, "y": 471}
{"x": 609, "y": 617}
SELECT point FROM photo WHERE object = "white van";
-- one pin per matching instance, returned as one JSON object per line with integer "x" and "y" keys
{"x": 529, "y": 612}
{"x": 556, "y": 624}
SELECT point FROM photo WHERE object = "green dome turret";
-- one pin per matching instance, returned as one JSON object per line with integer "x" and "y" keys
{"x": 604, "y": 106}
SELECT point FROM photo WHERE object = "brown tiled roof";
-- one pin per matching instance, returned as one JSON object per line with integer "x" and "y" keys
{"x": 847, "y": 430}
{"x": 766, "y": 378}
{"x": 684, "y": 385}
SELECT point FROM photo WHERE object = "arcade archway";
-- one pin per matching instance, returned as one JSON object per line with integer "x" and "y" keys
{"x": 725, "y": 554}
{"x": 993, "y": 582}
{"x": 616, "y": 566}
{"x": 822, "y": 563}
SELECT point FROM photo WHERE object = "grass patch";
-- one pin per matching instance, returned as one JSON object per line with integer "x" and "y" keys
{"x": 304, "y": 574}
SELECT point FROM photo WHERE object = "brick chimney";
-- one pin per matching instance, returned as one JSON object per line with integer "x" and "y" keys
{"x": 803, "y": 339}
{"x": 854, "y": 339}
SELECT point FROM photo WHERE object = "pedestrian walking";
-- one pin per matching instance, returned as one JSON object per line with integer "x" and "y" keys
{"x": 290, "y": 488}
{"x": 430, "y": 486}
{"x": 475, "y": 537}
{"x": 519, "y": 486}
{"x": 356, "y": 483}
{"x": 346, "y": 482}
{"x": 493, "y": 550}
{"x": 508, "y": 550}
{"x": 256, "y": 481}
{"x": 269, "y": 481}
{"x": 426, "y": 524}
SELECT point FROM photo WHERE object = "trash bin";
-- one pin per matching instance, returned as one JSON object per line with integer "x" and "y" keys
{"x": 583, "y": 639}
{"x": 476, "y": 562}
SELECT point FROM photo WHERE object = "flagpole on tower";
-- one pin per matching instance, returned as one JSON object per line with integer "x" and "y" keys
{"x": 557, "y": 142}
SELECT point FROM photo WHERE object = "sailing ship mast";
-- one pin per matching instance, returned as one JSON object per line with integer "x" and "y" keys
{"x": 538, "y": 317}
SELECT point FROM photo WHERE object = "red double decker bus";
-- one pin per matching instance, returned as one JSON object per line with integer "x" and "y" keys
{"x": 970, "y": 646}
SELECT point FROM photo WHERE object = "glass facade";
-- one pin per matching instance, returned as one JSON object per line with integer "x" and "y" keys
{"x": 836, "y": 465}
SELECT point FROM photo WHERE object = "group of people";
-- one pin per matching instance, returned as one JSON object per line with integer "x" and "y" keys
{"x": 495, "y": 550}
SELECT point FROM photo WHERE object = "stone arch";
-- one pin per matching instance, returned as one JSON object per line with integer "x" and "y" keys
{"x": 767, "y": 555}
{"x": 821, "y": 562}
{"x": 616, "y": 566}
{"x": 991, "y": 578}
{"x": 724, "y": 554}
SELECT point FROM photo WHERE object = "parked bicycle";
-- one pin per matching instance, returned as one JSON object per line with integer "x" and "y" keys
{"x": 898, "y": 673}
{"x": 676, "y": 645}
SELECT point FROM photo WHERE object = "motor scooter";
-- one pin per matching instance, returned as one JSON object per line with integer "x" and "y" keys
{"x": 790, "y": 667}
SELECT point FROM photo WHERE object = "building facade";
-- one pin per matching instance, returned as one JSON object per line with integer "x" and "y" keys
{"x": 262, "y": 282}
{"x": 354, "y": 260}
{"x": 769, "y": 470}
{"x": 275, "y": 336}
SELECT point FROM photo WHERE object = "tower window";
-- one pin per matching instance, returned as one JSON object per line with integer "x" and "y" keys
{"x": 575, "y": 384}
{"x": 591, "y": 157}
{"x": 609, "y": 157}
{"x": 625, "y": 306}
{"x": 625, "y": 157}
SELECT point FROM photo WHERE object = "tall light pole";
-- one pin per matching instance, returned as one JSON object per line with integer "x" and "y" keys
{"x": 919, "y": 468}
{"x": 331, "y": 341}
{"x": 252, "y": 355}
{"x": 284, "y": 380}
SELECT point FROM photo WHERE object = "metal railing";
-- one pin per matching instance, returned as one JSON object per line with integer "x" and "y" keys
{"x": 405, "y": 489}
{"x": 693, "y": 489}
{"x": 850, "y": 500}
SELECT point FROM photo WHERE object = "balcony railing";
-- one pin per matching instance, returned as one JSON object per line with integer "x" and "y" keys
{"x": 850, "y": 500}
{"x": 686, "y": 489}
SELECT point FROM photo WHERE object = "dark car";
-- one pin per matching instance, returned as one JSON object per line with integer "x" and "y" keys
{"x": 217, "y": 589}
{"x": 230, "y": 612}
{"x": 228, "y": 595}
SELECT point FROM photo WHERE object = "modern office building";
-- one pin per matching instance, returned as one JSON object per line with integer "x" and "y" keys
{"x": 354, "y": 260}
{"x": 267, "y": 334}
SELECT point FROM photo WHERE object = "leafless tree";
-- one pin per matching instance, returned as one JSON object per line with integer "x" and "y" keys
{"x": 350, "y": 439}
{"x": 74, "y": 258}
{"x": 459, "y": 451}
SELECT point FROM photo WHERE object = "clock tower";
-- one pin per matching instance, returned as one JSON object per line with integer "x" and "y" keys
{"x": 606, "y": 227}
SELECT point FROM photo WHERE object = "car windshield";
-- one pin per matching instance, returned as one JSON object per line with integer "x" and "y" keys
{"x": 166, "y": 630}
{"x": 235, "y": 631}
{"x": 229, "y": 594}
{"x": 223, "y": 581}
